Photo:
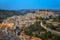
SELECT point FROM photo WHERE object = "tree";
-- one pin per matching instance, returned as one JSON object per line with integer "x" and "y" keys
{"x": 50, "y": 17}
{"x": 28, "y": 31}
{"x": 48, "y": 34}
{"x": 51, "y": 26}
{"x": 18, "y": 30}
{"x": 43, "y": 21}
{"x": 37, "y": 18}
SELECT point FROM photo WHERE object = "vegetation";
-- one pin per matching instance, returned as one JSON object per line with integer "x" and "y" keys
{"x": 35, "y": 27}
{"x": 37, "y": 31}
{"x": 18, "y": 30}
{"x": 50, "y": 26}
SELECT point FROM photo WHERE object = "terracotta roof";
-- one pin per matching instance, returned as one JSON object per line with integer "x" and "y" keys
{"x": 35, "y": 38}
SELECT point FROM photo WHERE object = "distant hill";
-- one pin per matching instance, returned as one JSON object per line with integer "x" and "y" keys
{"x": 8, "y": 13}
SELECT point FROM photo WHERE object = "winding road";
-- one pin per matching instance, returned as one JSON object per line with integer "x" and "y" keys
{"x": 48, "y": 29}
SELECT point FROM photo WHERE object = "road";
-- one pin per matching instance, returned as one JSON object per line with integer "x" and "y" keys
{"x": 48, "y": 29}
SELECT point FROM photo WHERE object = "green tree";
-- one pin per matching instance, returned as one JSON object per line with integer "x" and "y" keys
{"x": 50, "y": 17}
{"x": 51, "y": 26}
{"x": 28, "y": 31}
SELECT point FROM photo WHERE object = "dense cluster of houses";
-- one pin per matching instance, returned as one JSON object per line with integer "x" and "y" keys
{"x": 23, "y": 21}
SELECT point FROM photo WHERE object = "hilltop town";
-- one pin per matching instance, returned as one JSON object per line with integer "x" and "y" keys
{"x": 16, "y": 25}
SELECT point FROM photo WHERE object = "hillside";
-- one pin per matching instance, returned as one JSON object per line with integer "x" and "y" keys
{"x": 8, "y": 13}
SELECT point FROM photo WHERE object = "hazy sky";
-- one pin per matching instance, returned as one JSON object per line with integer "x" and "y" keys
{"x": 29, "y": 4}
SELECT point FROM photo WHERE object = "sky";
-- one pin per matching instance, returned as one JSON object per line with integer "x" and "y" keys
{"x": 29, "y": 4}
